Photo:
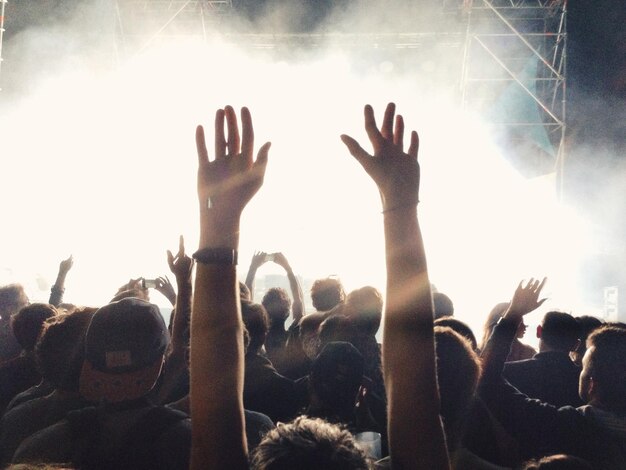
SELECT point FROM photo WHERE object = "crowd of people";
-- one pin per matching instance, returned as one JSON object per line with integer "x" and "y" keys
{"x": 235, "y": 382}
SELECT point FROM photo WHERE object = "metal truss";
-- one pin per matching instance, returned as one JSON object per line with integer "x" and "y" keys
{"x": 2, "y": 9}
{"x": 517, "y": 48}
{"x": 139, "y": 23}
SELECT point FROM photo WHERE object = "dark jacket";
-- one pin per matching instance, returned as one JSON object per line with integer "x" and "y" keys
{"x": 542, "y": 429}
{"x": 549, "y": 376}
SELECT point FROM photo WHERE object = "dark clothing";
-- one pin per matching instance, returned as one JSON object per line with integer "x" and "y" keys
{"x": 29, "y": 417}
{"x": 542, "y": 429}
{"x": 37, "y": 391}
{"x": 266, "y": 391}
{"x": 9, "y": 347}
{"x": 17, "y": 375}
{"x": 549, "y": 376}
{"x": 136, "y": 438}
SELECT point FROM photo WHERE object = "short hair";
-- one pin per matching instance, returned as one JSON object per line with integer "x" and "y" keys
{"x": 443, "y": 305}
{"x": 277, "y": 304}
{"x": 327, "y": 293}
{"x": 309, "y": 444}
{"x": 257, "y": 323}
{"x": 28, "y": 323}
{"x": 460, "y": 327}
{"x": 558, "y": 462}
{"x": 560, "y": 331}
{"x": 607, "y": 364}
{"x": 61, "y": 348}
{"x": 364, "y": 306}
{"x": 458, "y": 372}
{"x": 335, "y": 328}
{"x": 12, "y": 298}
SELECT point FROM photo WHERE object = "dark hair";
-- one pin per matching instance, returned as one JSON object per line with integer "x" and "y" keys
{"x": 335, "y": 328}
{"x": 28, "y": 323}
{"x": 608, "y": 364}
{"x": 327, "y": 293}
{"x": 443, "y": 305}
{"x": 308, "y": 444}
{"x": 558, "y": 462}
{"x": 255, "y": 319}
{"x": 560, "y": 331}
{"x": 244, "y": 292}
{"x": 460, "y": 327}
{"x": 458, "y": 371}
{"x": 12, "y": 298}
{"x": 364, "y": 306}
{"x": 277, "y": 303}
{"x": 61, "y": 348}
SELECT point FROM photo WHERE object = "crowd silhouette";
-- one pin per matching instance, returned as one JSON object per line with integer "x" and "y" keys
{"x": 235, "y": 382}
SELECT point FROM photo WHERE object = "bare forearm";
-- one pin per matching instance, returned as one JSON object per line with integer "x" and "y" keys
{"x": 297, "y": 308}
{"x": 217, "y": 371}
{"x": 182, "y": 314}
{"x": 408, "y": 349}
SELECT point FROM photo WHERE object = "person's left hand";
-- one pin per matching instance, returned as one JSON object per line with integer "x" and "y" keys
{"x": 66, "y": 265}
{"x": 228, "y": 183}
{"x": 181, "y": 264}
{"x": 281, "y": 260}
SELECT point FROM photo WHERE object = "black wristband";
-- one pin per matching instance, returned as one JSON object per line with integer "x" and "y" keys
{"x": 226, "y": 256}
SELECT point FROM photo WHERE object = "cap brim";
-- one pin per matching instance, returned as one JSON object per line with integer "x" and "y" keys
{"x": 99, "y": 386}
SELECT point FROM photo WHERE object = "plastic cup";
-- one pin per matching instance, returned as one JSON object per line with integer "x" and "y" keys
{"x": 369, "y": 441}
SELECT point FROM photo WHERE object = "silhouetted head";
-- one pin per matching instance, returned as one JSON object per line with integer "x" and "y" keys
{"x": 28, "y": 323}
{"x": 559, "y": 332}
{"x": 364, "y": 307}
{"x": 308, "y": 444}
{"x": 460, "y": 327}
{"x": 335, "y": 328}
{"x": 61, "y": 348}
{"x": 327, "y": 293}
{"x": 586, "y": 324}
{"x": 603, "y": 378}
{"x": 443, "y": 305}
{"x": 257, "y": 323}
{"x": 12, "y": 299}
{"x": 277, "y": 304}
{"x": 492, "y": 320}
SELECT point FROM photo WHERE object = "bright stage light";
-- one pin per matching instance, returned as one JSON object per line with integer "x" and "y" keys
{"x": 104, "y": 167}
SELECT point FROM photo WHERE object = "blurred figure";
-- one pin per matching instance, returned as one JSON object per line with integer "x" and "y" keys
{"x": 519, "y": 351}
{"x": 12, "y": 300}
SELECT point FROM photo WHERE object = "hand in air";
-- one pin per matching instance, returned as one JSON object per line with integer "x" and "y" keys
{"x": 526, "y": 298}
{"x": 66, "y": 265}
{"x": 395, "y": 172}
{"x": 181, "y": 264}
{"x": 226, "y": 184}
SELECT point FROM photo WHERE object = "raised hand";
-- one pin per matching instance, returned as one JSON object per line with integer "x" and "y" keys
{"x": 66, "y": 265}
{"x": 281, "y": 260}
{"x": 226, "y": 184}
{"x": 181, "y": 264}
{"x": 165, "y": 287}
{"x": 395, "y": 172}
{"x": 258, "y": 259}
{"x": 526, "y": 298}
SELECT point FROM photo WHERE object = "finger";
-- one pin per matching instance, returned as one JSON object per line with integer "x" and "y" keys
{"x": 233, "y": 131}
{"x": 387, "y": 128}
{"x": 356, "y": 150}
{"x": 372, "y": 131}
{"x": 220, "y": 140}
{"x": 260, "y": 164}
{"x": 203, "y": 156}
{"x": 181, "y": 246}
{"x": 540, "y": 303}
{"x": 170, "y": 258}
{"x": 398, "y": 133}
{"x": 247, "y": 144}
{"x": 414, "y": 146}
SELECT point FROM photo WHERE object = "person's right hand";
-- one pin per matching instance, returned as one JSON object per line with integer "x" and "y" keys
{"x": 281, "y": 260}
{"x": 66, "y": 265}
{"x": 396, "y": 173}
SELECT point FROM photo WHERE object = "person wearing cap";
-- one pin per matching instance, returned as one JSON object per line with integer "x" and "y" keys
{"x": 125, "y": 346}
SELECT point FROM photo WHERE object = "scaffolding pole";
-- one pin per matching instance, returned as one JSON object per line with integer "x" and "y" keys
{"x": 2, "y": 10}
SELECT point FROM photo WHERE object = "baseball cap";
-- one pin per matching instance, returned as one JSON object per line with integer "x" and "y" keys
{"x": 124, "y": 348}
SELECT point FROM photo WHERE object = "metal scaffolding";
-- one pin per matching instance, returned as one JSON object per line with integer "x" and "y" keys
{"x": 510, "y": 56}
{"x": 2, "y": 10}
{"x": 516, "y": 50}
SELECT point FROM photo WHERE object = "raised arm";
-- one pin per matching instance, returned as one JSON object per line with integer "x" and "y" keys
{"x": 225, "y": 186}
{"x": 416, "y": 438}
{"x": 297, "y": 307}
{"x": 58, "y": 288}
{"x": 258, "y": 259}
{"x": 181, "y": 266}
